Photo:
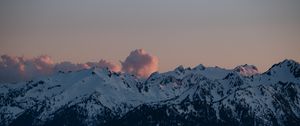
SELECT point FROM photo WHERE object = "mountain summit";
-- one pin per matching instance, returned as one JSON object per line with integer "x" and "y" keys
{"x": 247, "y": 70}
{"x": 185, "y": 96}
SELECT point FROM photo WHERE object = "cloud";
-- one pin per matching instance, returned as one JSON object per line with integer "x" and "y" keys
{"x": 105, "y": 64}
{"x": 19, "y": 68}
{"x": 14, "y": 69}
{"x": 140, "y": 63}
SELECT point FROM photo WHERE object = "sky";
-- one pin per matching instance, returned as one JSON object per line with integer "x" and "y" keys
{"x": 224, "y": 33}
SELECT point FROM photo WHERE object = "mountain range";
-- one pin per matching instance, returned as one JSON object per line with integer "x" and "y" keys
{"x": 185, "y": 96}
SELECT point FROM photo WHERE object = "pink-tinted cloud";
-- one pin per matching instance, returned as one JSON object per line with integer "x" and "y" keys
{"x": 14, "y": 69}
{"x": 105, "y": 64}
{"x": 19, "y": 68}
{"x": 140, "y": 63}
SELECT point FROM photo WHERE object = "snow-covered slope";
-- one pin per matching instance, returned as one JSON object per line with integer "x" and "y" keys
{"x": 184, "y": 96}
{"x": 247, "y": 70}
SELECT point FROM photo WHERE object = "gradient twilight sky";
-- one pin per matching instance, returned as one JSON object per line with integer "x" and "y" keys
{"x": 223, "y": 33}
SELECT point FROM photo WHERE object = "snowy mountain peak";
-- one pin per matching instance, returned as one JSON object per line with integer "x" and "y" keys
{"x": 289, "y": 61}
{"x": 287, "y": 67}
{"x": 285, "y": 63}
{"x": 247, "y": 70}
{"x": 202, "y": 95}
{"x": 199, "y": 67}
{"x": 179, "y": 69}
